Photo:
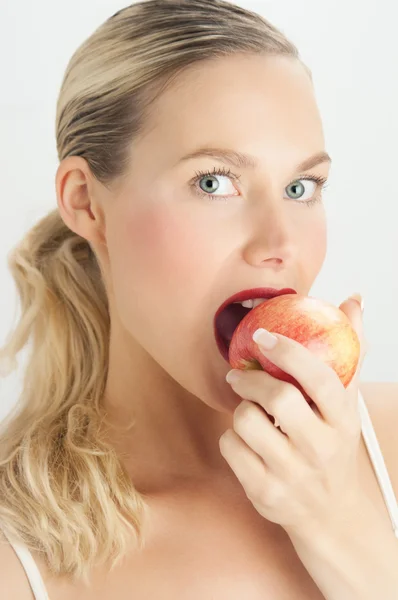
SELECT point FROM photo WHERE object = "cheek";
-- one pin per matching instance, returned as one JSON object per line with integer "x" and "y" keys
{"x": 155, "y": 251}
{"x": 315, "y": 244}
{"x": 173, "y": 248}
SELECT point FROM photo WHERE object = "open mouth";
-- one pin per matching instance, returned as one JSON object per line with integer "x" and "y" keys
{"x": 231, "y": 313}
{"x": 226, "y": 323}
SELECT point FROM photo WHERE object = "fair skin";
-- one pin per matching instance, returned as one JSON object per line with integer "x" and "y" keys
{"x": 172, "y": 258}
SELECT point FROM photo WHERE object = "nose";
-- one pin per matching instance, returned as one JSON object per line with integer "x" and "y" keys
{"x": 272, "y": 239}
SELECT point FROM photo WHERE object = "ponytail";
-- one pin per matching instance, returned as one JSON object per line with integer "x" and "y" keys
{"x": 63, "y": 489}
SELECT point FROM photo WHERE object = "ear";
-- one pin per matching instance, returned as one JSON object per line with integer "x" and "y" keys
{"x": 79, "y": 200}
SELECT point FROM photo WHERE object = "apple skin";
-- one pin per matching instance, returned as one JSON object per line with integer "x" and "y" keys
{"x": 318, "y": 325}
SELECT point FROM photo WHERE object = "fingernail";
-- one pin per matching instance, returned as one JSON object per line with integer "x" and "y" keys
{"x": 232, "y": 375}
{"x": 359, "y": 299}
{"x": 265, "y": 339}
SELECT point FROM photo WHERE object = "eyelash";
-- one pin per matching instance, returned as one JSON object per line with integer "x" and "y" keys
{"x": 321, "y": 181}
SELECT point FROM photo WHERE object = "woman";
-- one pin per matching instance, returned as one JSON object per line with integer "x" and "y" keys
{"x": 132, "y": 468}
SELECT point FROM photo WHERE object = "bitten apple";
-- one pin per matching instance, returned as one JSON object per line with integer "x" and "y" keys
{"x": 318, "y": 325}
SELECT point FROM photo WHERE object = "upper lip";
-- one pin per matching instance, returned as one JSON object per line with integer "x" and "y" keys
{"x": 255, "y": 293}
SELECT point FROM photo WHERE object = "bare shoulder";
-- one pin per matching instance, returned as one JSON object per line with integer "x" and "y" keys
{"x": 381, "y": 399}
{"x": 14, "y": 584}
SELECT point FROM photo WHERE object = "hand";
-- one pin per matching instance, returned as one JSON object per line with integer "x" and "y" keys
{"x": 304, "y": 473}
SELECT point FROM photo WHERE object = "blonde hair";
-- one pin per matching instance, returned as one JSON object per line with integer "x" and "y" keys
{"x": 64, "y": 492}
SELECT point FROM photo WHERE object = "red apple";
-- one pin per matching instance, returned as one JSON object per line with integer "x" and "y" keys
{"x": 318, "y": 325}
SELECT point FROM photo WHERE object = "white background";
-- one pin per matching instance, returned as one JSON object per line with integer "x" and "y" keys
{"x": 352, "y": 50}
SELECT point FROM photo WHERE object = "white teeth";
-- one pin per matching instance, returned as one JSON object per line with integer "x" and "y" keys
{"x": 251, "y": 303}
{"x": 247, "y": 303}
{"x": 258, "y": 301}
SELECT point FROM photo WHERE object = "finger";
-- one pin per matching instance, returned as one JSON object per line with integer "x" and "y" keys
{"x": 247, "y": 465}
{"x": 318, "y": 380}
{"x": 253, "y": 426}
{"x": 305, "y": 431}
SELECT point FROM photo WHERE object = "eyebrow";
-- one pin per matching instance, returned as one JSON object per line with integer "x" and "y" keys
{"x": 248, "y": 161}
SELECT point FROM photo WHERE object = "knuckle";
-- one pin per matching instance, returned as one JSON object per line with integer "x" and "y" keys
{"x": 254, "y": 493}
{"x": 325, "y": 385}
{"x": 272, "y": 496}
{"x": 277, "y": 403}
{"x": 243, "y": 413}
{"x": 281, "y": 403}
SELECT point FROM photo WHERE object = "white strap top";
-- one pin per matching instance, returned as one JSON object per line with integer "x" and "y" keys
{"x": 376, "y": 457}
{"x": 31, "y": 570}
{"x": 379, "y": 466}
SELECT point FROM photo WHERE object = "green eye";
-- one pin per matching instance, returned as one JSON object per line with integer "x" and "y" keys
{"x": 298, "y": 189}
{"x": 300, "y": 192}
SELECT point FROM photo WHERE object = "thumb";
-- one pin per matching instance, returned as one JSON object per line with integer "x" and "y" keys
{"x": 352, "y": 309}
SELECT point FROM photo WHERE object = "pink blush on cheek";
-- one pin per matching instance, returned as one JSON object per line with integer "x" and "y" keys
{"x": 165, "y": 247}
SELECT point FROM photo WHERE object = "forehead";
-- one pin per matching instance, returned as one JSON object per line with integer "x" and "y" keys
{"x": 259, "y": 104}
